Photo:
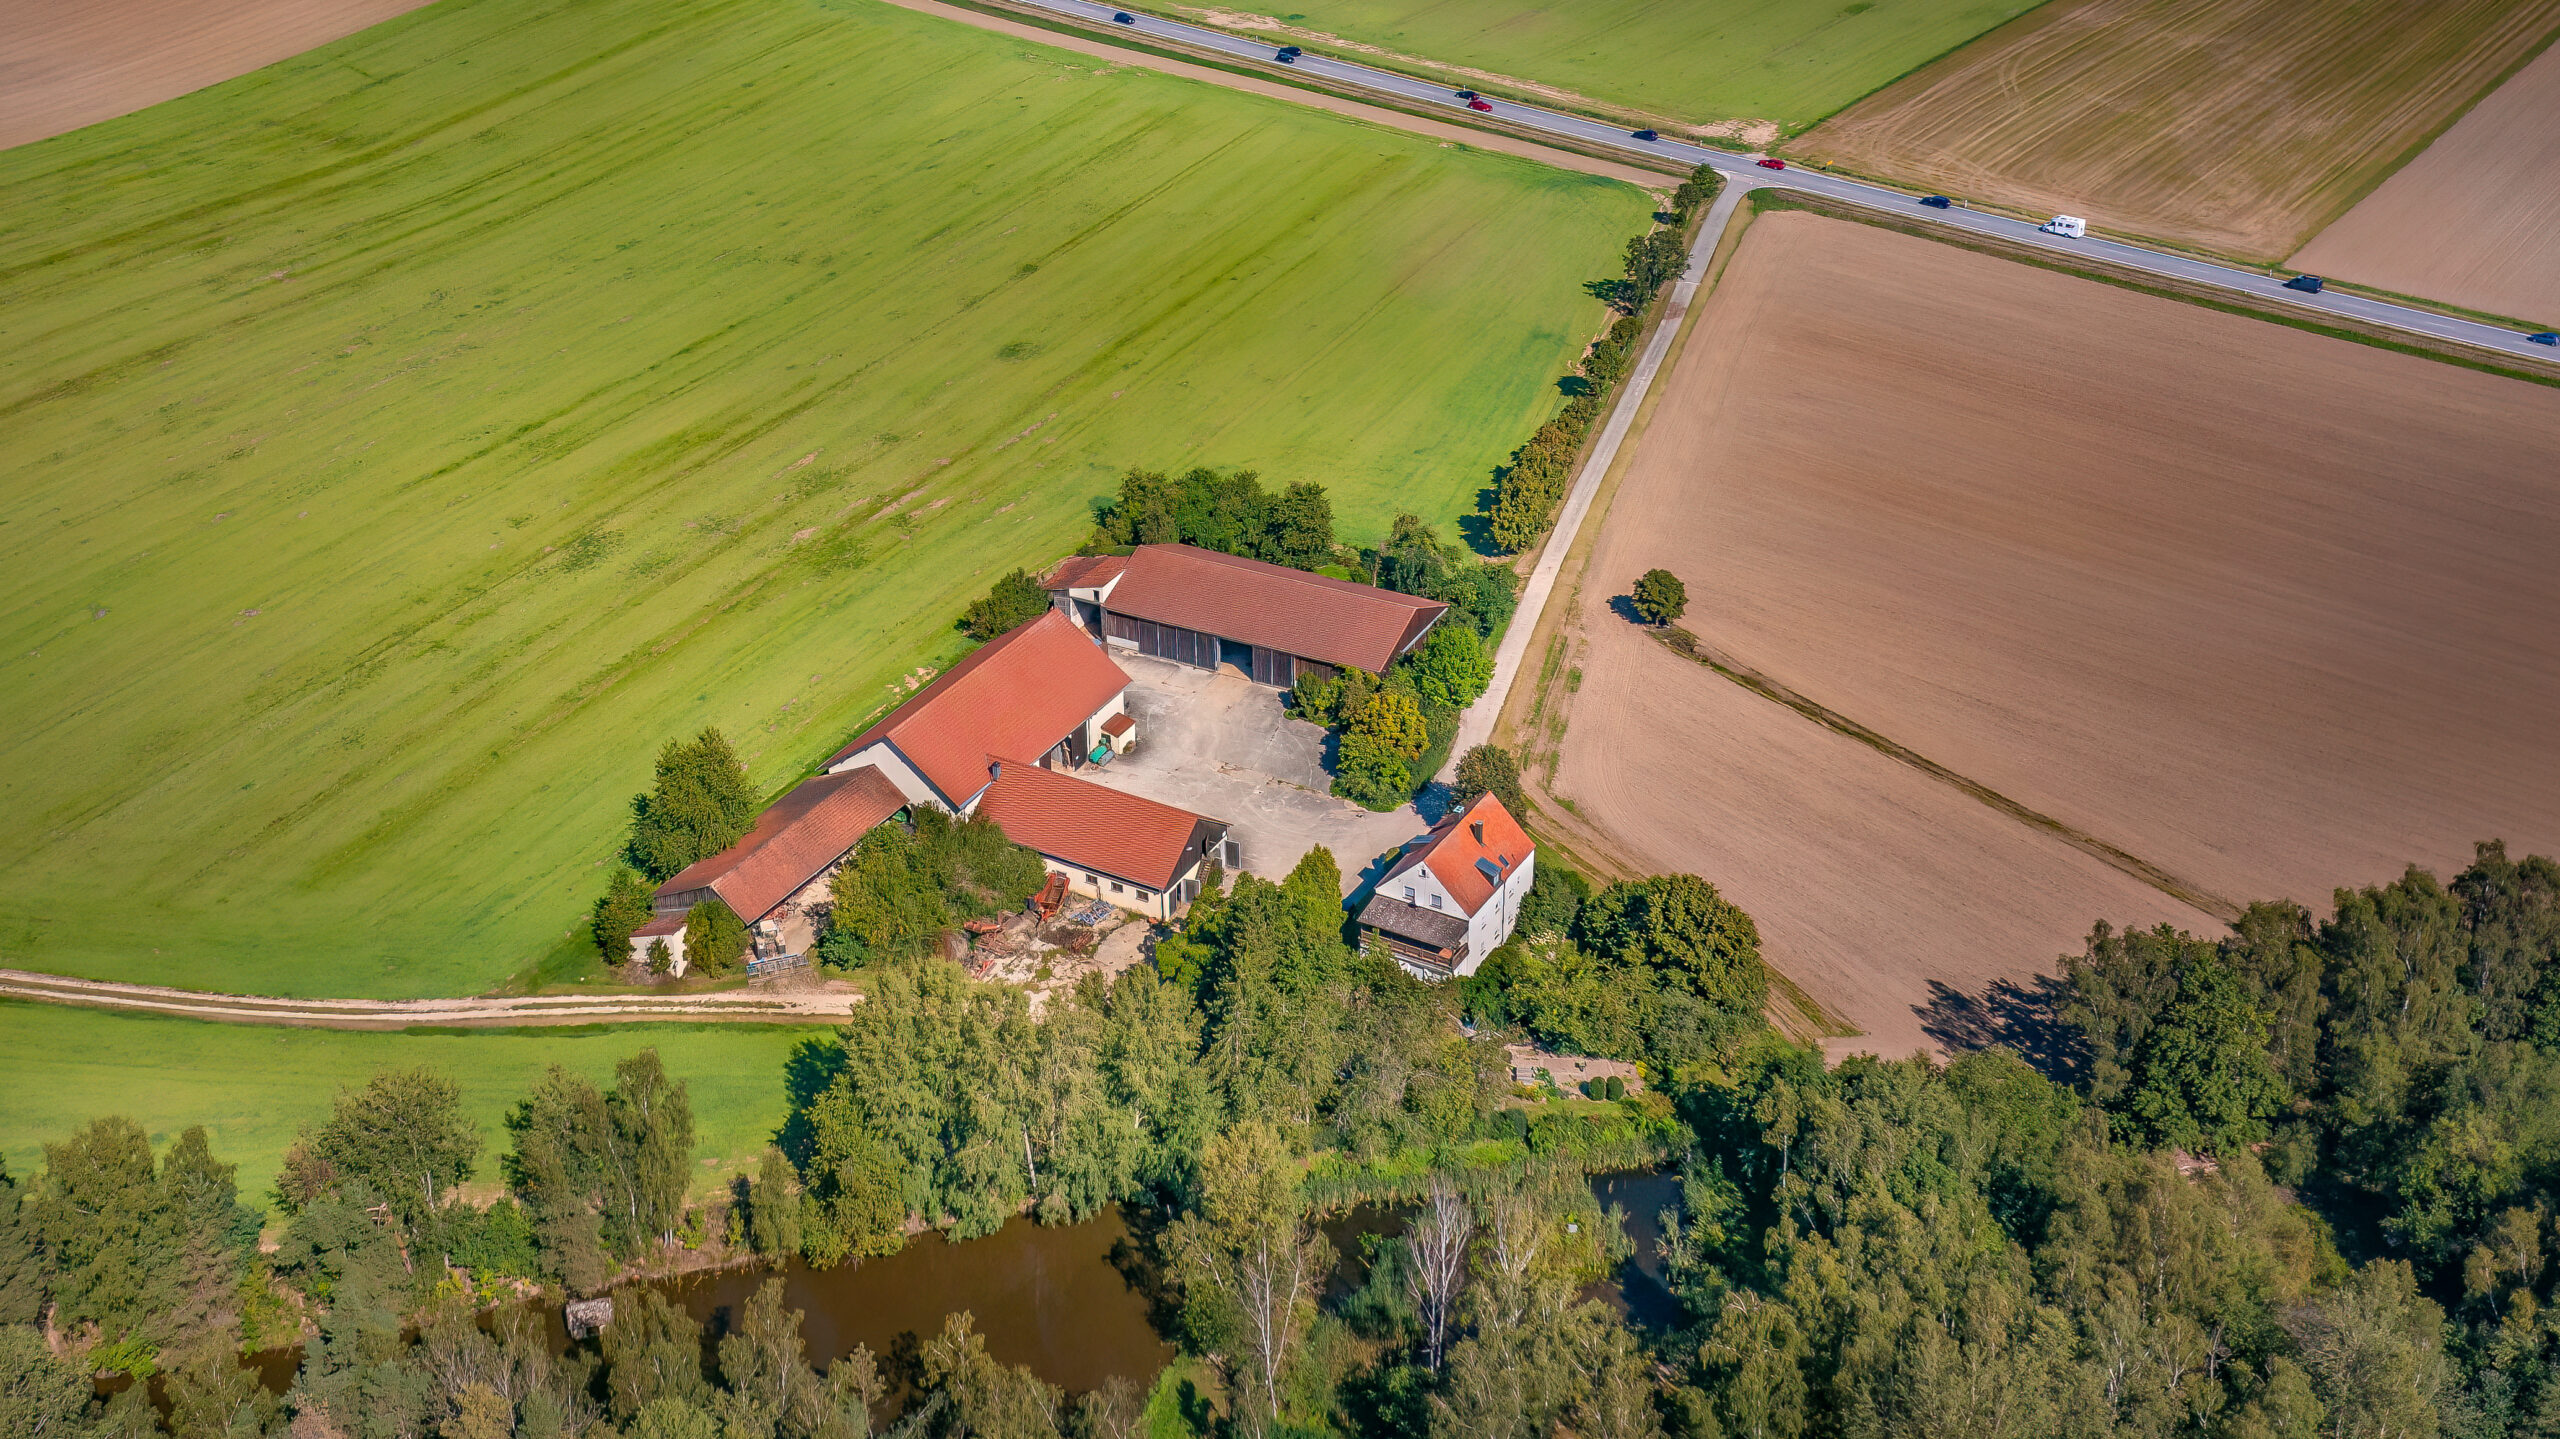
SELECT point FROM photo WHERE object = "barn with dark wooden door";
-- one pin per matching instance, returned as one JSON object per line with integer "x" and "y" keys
{"x": 1200, "y": 607}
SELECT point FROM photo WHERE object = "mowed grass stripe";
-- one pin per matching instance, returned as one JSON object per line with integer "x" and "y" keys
{"x": 252, "y": 1088}
{"x": 644, "y": 372}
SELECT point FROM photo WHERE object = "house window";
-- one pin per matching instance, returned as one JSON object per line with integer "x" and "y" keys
{"x": 1435, "y": 901}
{"x": 1145, "y": 898}
{"x": 1408, "y": 894}
{"x": 1089, "y": 879}
{"x": 1115, "y": 886}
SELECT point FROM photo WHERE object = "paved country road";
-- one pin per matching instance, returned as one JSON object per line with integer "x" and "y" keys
{"x": 814, "y": 1002}
{"x": 1742, "y": 168}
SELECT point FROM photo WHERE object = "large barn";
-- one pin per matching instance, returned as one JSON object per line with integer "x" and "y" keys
{"x": 1203, "y": 608}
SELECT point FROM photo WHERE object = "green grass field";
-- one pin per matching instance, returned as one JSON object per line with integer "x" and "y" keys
{"x": 404, "y": 441}
{"x": 1785, "y": 62}
{"x": 253, "y": 1088}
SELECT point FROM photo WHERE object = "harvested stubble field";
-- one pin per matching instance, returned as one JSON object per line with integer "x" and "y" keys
{"x": 68, "y": 65}
{"x": 2268, "y": 610}
{"x": 406, "y": 440}
{"x": 2475, "y": 221}
{"x": 1773, "y": 64}
{"x": 2235, "y": 126}
{"x": 253, "y": 1088}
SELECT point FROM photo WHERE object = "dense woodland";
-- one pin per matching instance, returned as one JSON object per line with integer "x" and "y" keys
{"x": 2293, "y": 1181}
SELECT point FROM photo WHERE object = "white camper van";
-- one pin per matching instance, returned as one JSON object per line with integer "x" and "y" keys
{"x": 2069, "y": 227}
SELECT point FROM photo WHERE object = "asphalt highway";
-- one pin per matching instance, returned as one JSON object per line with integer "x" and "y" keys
{"x": 1744, "y": 170}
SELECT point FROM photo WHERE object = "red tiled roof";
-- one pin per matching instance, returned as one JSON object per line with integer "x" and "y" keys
{"x": 1334, "y": 621}
{"x": 1012, "y": 699}
{"x": 1452, "y": 851}
{"x": 660, "y": 927}
{"x": 1084, "y": 572}
{"x": 1085, "y": 824}
{"x": 804, "y": 832}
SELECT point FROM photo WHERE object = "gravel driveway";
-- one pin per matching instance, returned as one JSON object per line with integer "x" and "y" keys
{"x": 1220, "y": 745}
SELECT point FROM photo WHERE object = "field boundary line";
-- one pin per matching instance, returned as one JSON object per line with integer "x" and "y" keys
{"x": 1476, "y": 726}
{"x": 1687, "y": 645}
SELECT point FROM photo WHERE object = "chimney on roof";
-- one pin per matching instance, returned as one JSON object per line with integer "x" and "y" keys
{"x": 995, "y": 770}
{"x": 1478, "y": 828}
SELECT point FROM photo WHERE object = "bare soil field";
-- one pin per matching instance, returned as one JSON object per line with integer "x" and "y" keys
{"x": 2235, "y": 126}
{"x": 2270, "y": 611}
{"x": 66, "y": 64}
{"x": 2475, "y": 221}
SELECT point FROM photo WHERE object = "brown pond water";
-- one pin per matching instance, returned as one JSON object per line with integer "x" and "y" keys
{"x": 1074, "y": 1303}
{"x": 1067, "y": 1301}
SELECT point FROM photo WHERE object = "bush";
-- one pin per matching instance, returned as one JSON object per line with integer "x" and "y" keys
{"x": 1555, "y": 899}
{"x": 1490, "y": 769}
{"x": 1014, "y": 601}
{"x": 1450, "y": 668}
{"x": 1660, "y": 598}
{"x": 1390, "y": 722}
{"x": 625, "y": 906}
{"x": 714, "y": 937}
{"x": 1616, "y": 1088}
{"x": 1681, "y": 927}
{"x": 1369, "y": 773}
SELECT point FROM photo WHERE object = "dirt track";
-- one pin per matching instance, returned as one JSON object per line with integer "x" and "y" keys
{"x": 2474, "y": 221}
{"x": 71, "y": 64}
{"x": 2270, "y": 611}
{"x": 812, "y": 1002}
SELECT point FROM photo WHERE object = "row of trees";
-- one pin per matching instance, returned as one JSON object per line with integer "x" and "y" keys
{"x": 1532, "y": 484}
{"x": 1223, "y": 510}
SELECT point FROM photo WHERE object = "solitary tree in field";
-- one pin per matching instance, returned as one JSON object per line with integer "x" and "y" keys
{"x": 1660, "y": 598}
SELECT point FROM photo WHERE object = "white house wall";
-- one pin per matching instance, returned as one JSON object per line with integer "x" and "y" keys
{"x": 885, "y": 757}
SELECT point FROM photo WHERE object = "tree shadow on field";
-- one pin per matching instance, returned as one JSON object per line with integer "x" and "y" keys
{"x": 1476, "y": 526}
{"x": 812, "y": 1066}
{"x": 1624, "y": 607}
{"x": 2024, "y": 1019}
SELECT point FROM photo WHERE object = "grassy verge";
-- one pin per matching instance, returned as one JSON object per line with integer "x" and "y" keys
{"x": 252, "y": 1088}
{"x": 408, "y": 438}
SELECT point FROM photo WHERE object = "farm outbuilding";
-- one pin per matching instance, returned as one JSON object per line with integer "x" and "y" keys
{"x": 1272, "y": 623}
{"x": 776, "y": 876}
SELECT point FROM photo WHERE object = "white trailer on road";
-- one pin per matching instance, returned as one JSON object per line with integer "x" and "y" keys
{"x": 2069, "y": 227}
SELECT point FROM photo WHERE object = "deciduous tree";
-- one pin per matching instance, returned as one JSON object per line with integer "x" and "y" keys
{"x": 700, "y": 805}
{"x": 625, "y": 906}
{"x": 1250, "y": 1248}
{"x": 1489, "y": 769}
{"x": 1013, "y": 601}
{"x": 1659, "y": 597}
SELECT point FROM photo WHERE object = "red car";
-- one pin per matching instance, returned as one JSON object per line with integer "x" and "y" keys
{"x": 1480, "y": 103}
{"x": 1773, "y": 164}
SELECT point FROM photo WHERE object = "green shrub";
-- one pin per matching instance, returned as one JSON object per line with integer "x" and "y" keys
{"x": 1014, "y": 601}
{"x": 714, "y": 937}
{"x": 700, "y": 806}
{"x": 1616, "y": 1088}
{"x": 625, "y": 906}
{"x": 1451, "y": 668}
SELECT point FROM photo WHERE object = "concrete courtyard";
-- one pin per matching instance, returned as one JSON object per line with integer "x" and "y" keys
{"x": 1217, "y": 744}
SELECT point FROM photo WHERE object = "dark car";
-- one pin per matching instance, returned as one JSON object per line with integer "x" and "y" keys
{"x": 2547, "y": 337}
{"x": 1648, "y": 136}
{"x": 1772, "y": 164}
{"x": 1937, "y": 202}
{"x": 1289, "y": 54}
{"x": 1124, "y": 18}
{"x": 1466, "y": 94}
{"x": 2307, "y": 284}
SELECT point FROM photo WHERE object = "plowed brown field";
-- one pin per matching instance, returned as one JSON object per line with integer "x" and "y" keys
{"x": 2475, "y": 221}
{"x": 2271, "y": 611}
{"x": 69, "y": 63}
{"x": 2239, "y": 126}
